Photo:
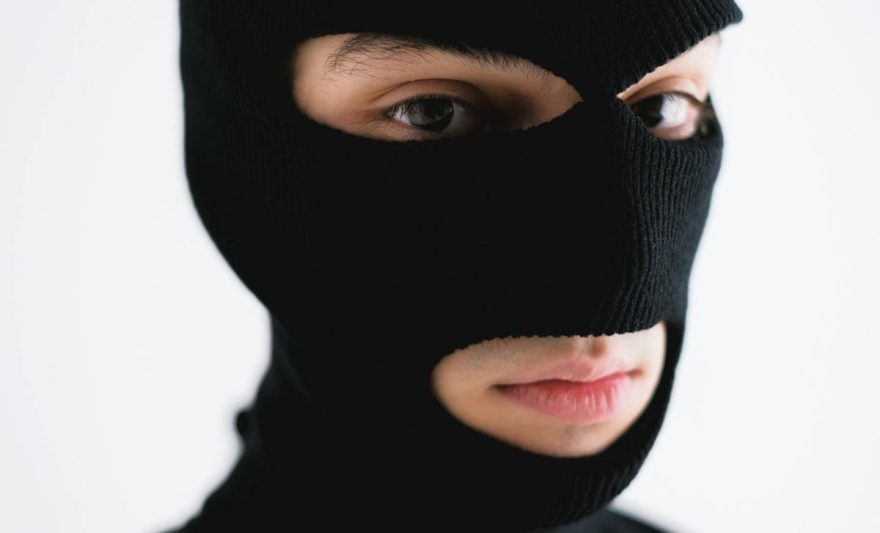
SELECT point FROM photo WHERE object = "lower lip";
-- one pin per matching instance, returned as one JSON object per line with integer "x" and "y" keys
{"x": 574, "y": 402}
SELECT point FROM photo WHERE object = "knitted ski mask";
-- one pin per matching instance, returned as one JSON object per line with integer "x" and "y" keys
{"x": 376, "y": 259}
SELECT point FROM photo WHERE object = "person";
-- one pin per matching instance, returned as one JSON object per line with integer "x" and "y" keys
{"x": 473, "y": 233}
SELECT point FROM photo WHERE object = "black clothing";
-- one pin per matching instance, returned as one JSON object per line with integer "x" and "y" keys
{"x": 606, "y": 520}
{"x": 376, "y": 259}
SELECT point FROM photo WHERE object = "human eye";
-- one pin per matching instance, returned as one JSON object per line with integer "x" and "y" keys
{"x": 674, "y": 115}
{"x": 432, "y": 116}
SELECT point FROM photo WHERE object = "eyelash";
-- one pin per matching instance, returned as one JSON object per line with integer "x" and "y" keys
{"x": 704, "y": 118}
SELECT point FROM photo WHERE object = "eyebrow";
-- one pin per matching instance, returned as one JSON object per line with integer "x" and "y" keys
{"x": 358, "y": 51}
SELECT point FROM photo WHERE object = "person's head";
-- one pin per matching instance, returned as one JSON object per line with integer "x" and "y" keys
{"x": 408, "y": 89}
{"x": 439, "y": 208}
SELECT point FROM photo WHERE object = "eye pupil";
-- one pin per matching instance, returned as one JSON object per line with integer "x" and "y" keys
{"x": 432, "y": 114}
{"x": 650, "y": 109}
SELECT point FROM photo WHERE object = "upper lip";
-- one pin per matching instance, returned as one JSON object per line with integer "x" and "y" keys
{"x": 570, "y": 370}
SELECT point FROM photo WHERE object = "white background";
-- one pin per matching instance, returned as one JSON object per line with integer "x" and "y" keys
{"x": 113, "y": 301}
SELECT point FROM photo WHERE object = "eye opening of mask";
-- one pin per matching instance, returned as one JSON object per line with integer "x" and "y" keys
{"x": 707, "y": 132}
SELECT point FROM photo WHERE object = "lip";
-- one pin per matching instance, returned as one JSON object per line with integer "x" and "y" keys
{"x": 573, "y": 370}
{"x": 575, "y": 402}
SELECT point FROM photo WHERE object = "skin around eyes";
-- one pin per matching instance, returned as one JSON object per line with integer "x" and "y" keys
{"x": 355, "y": 100}
{"x": 364, "y": 94}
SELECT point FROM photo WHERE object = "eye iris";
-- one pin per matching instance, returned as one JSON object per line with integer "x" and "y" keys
{"x": 433, "y": 114}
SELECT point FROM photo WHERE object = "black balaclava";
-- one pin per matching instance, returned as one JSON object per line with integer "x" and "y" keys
{"x": 376, "y": 259}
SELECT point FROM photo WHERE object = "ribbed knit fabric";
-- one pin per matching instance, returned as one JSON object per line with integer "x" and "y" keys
{"x": 377, "y": 259}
